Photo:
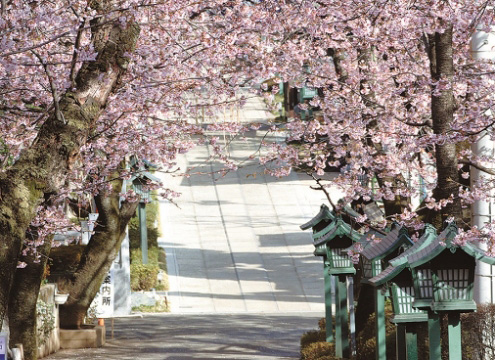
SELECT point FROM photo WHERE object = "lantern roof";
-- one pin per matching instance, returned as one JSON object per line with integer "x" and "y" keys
{"x": 426, "y": 239}
{"x": 478, "y": 254}
{"x": 400, "y": 262}
{"x": 387, "y": 275}
{"x": 324, "y": 214}
{"x": 396, "y": 237}
{"x": 443, "y": 241}
{"x": 417, "y": 256}
{"x": 365, "y": 239}
{"x": 145, "y": 175}
{"x": 337, "y": 228}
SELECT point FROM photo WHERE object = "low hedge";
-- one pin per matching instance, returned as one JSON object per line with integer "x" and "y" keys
{"x": 143, "y": 276}
{"x": 317, "y": 350}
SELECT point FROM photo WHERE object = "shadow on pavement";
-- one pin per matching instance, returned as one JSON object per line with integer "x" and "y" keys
{"x": 199, "y": 336}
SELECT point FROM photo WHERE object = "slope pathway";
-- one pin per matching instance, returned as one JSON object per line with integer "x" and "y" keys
{"x": 233, "y": 244}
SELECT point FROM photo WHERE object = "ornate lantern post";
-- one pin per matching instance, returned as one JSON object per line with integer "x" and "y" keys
{"x": 443, "y": 282}
{"x": 338, "y": 238}
{"x": 324, "y": 220}
{"x": 140, "y": 185}
{"x": 399, "y": 281}
{"x": 374, "y": 257}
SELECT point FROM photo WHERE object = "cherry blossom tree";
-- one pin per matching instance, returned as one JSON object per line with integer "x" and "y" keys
{"x": 84, "y": 85}
{"x": 401, "y": 101}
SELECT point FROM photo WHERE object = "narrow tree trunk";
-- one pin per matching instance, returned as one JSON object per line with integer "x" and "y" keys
{"x": 442, "y": 110}
{"x": 97, "y": 258}
{"x": 23, "y": 298}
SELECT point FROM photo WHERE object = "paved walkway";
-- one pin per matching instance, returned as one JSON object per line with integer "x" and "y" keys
{"x": 244, "y": 281}
{"x": 201, "y": 337}
{"x": 233, "y": 243}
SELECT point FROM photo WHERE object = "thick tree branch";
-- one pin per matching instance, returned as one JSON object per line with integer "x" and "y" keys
{"x": 477, "y": 166}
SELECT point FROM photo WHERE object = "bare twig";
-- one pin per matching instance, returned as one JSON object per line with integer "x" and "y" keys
{"x": 77, "y": 44}
{"x": 58, "y": 113}
{"x": 322, "y": 188}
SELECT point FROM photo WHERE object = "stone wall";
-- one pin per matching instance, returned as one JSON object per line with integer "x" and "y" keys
{"x": 52, "y": 343}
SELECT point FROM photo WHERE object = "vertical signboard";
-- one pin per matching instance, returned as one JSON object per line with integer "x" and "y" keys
{"x": 104, "y": 300}
{"x": 3, "y": 346}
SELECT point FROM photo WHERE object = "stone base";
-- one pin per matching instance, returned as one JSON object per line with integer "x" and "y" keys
{"x": 90, "y": 337}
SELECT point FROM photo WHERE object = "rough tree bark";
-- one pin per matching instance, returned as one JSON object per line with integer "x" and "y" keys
{"x": 97, "y": 257}
{"x": 41, "y": 169}
{"x": 23, "y": 298}
{"x": 439, "y": 47}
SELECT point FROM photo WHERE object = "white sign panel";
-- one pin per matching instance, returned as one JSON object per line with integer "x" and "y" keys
{"x": 104, "y": 300}
{"x": 3, "y": 346}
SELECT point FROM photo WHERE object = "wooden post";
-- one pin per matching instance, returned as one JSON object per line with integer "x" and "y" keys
{"x": 352, "y": 318}
{"x": 341, "y": 325}
{"x": 401, "y": 345}
{"x": 381, "y": 336}
{"x": 434, "y": 335}
{"x": 143, "y": 231}
{"x": 455, "y": 349}
{"x": 411, "y": 342}
{"x": 328, "y": 303}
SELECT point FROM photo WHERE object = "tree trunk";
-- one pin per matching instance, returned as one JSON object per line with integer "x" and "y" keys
{"x": 23, "y": 298}
{"x": 442, "y": 110}
{"x": 96, "y": 259}
{"x": 41, "y": 169}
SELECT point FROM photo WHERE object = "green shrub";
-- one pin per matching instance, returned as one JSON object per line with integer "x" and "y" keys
{"x": 366, "y": 341}
{"x": 143, "y": 277}
{"x": 317, "y": 350}
{"x": 311, "y": 337}
{"x": 159, "y": 307}
{"x": 329, "y": 357}
{"x": 137, "y": 256}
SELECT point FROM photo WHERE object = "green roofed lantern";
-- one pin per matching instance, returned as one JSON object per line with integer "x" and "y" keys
{"x": 380, "y": 248}
{"x": 140, "y": 184}
{"x": 337, "y": 238}
{"x": 319, "y": 222}
{"x": 443, "y": 274}
{"x": 398, "y": 276}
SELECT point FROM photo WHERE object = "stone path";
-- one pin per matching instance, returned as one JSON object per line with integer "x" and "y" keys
{"x": 233, "y": 243}
{"x": 201, "y": 337}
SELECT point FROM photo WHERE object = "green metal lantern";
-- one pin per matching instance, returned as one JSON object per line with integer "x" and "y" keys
{"x": 140, "y": 185}
{"x": 319, "y": 223}
{"x": 141, "y": 182}
{"x": 374, "y": 256}
{"x": 397, "y": 276}
{"x": 306, "y": 93}
{"x": 338, "y": 238}
{"x": 443, "y": 274}
{"x": 370, "y": 267}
